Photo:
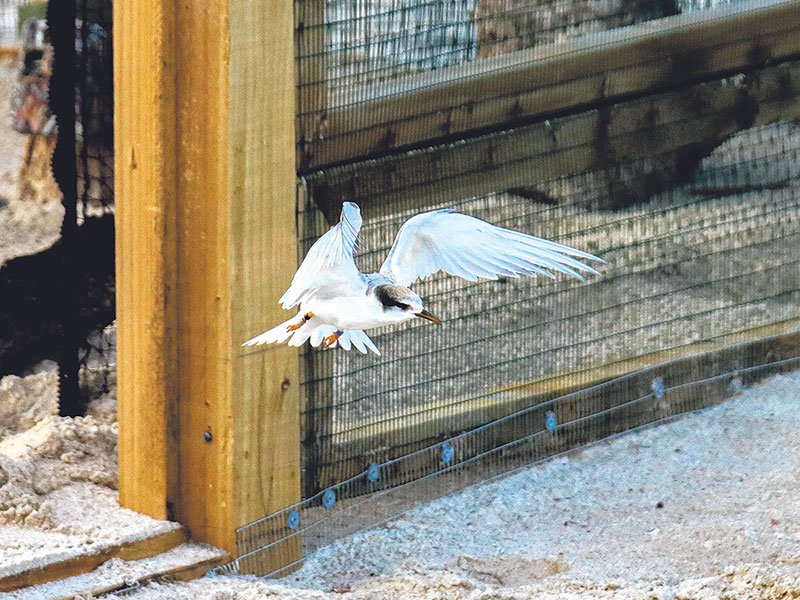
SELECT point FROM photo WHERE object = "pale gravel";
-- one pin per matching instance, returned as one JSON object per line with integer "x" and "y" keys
{"x": 587, "y": 524}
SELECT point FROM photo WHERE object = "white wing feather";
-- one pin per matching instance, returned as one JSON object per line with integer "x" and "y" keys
{"x": 329, "y": 264}
{"x": 467, "y": 247}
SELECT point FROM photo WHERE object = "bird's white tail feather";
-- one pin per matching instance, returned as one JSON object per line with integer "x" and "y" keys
{"x": 361, "y": 341}
{"x": 276, "y": 335}
{"x": 317, "y": 334}
{"x": 320, "y": 333}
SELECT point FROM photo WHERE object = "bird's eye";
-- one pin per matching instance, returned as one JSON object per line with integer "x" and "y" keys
{"x": 401, "y": 305}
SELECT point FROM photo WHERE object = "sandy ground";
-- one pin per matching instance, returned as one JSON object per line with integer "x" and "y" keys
{"x": 703, "y": 506}
{"x": 41, "y": 453}
{"x": 118, "y": 573}
{"x": 58, "y": 477}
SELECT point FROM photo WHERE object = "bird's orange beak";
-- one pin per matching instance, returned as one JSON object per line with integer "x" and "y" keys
{"x": 426, "y": 315}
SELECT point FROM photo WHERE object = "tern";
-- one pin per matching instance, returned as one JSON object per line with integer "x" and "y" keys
{"x": 338, "y": 302}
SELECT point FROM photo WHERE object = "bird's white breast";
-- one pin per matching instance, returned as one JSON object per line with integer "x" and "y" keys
{"x": 353, "y": 312}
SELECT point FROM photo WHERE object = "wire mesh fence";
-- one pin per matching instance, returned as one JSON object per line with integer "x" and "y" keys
{"x": 527, "y": 369}
{"x": 696, "y": 266}
{"x": 95, "y": 106}
{"x": 91, "y": 114}
{"x": 384, "y": 490}
{"x": 345, "y": 44}
{"x": 661, "y": 137}
{"x": 358, "y": 62}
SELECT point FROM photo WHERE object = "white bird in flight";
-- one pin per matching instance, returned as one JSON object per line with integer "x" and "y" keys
{"x": 338, "y": 302}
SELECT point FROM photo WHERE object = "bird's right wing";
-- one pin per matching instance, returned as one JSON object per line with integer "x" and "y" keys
{"x": 467, "y": 247}
{"x": 329, "y": 267}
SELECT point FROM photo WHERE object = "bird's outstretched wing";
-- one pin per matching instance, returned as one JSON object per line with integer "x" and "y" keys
{"x": 329, "y": 268}
{"x": 471, "y": 248}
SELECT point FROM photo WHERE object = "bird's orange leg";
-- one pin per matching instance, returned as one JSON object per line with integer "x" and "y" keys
{"x": 331, "y": 339}
{"x": 302, "y": 322}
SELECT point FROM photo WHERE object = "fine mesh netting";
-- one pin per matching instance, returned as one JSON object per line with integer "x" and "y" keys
{"x": 65, "y": 99}
{"x": 94, "y": 108}
{"x": 662, "y": 137}
{"x": 345, "y": 44}
{"x": 523, "y": 369}
{"x": 694, "y": 267}
{"x": 474, "y": 64}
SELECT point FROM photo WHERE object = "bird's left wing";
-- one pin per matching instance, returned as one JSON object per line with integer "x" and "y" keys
{"x": 329, "y": 267}
{"x": 467, "y": 247}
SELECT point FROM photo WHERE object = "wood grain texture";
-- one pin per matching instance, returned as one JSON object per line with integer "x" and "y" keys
{"x": 266, "y": 385}
{"x": 542, "y": 82}
{"x": 128, "y": 551}
{"x": 236, "y": 215}
{"x": 144, "y": 149}
{"x": 169, "y": 566}
{"x": 203, "y": 290}
{"x": 205, "y": 257}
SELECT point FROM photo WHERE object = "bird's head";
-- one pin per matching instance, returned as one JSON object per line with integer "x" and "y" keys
{"x": 402, "y": 302}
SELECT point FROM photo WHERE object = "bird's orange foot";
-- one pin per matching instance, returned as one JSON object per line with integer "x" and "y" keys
{"x": 331, "y": 339}
{"x": 302, "y": 322}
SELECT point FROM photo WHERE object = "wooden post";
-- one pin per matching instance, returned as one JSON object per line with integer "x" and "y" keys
{"x": 206, "y": 243}
{"x": 145, "y": 153}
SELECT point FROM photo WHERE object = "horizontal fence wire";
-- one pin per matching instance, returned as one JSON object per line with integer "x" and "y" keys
{"x": 648, "y": 145}
{"x": 502, "y": 446}
{"x": 370, "y": 41}
{"x": 526, "y": 369}
{"x": 95, "y": 107}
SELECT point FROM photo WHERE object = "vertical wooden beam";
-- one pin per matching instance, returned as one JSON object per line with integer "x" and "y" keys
{"x": 233, "y": 245}
{"x": 144, "y": 149}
